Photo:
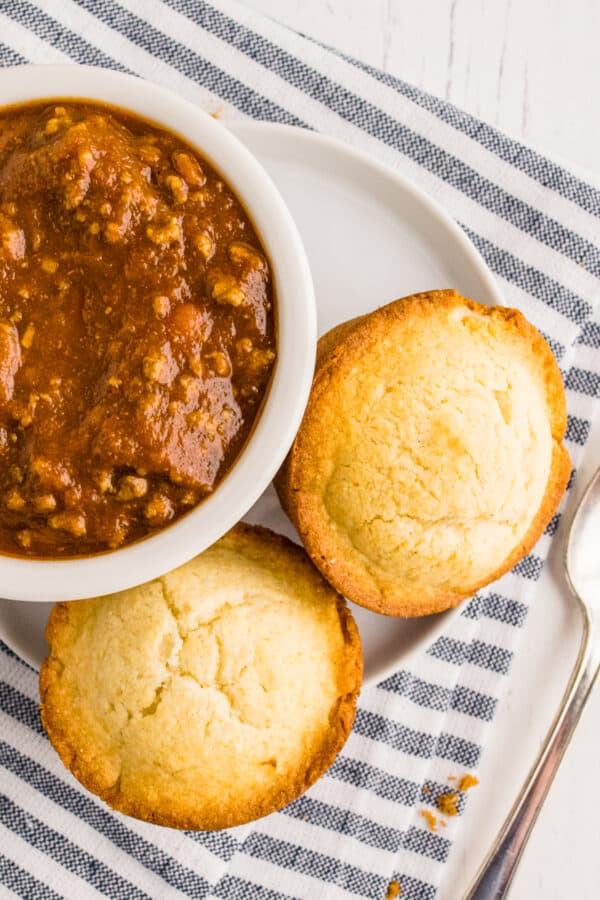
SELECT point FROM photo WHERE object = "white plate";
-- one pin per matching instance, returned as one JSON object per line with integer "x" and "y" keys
{"x": 371, "y": 237}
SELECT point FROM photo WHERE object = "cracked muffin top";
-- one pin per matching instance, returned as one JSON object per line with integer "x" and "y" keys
{"x": 429, "y": 459}
{"x": 211, "y": 696}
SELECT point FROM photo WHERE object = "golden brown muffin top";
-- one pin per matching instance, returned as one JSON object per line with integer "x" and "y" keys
{"x": 429, "y": 458}
{"x": 208, "y": 697}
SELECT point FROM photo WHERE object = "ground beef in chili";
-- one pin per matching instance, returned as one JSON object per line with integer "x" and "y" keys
{"x": 136, "y": 328}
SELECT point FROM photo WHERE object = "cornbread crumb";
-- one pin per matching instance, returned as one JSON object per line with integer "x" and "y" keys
{"x": 430, "y": 819}
{"x": 467, "y": 782}
{"x": 211, "y": 696}
{"x": 446, "y": 803}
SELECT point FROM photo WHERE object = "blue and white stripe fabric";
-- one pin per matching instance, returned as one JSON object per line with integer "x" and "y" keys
{"x": 537, "y": 226}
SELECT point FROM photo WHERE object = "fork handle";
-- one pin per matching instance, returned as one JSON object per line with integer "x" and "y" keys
{"x": 495, "y": 876}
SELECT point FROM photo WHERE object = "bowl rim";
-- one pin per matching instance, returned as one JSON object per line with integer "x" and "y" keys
{"x": 272, "y": 435}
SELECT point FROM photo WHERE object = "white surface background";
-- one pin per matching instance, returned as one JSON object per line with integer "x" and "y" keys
{"x": 531, "y": 67}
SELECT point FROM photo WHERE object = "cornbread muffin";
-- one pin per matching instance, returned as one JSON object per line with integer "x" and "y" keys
{"x": 429, "y": 459}
{"x": 211, "y": 696}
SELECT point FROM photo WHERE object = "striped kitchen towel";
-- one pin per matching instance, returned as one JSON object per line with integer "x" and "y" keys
{"x": 536, "y": 224}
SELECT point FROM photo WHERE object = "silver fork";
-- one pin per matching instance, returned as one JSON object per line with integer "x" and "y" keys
{"x": 582, "y": 568}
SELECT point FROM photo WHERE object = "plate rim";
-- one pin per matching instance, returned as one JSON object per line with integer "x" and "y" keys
{"x": 383, "y": 169}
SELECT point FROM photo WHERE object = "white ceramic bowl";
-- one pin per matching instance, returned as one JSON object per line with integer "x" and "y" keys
{"x": 23, "y": 579}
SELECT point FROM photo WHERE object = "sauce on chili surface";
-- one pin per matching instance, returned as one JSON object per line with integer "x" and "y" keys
{"x": 136, "y": 328}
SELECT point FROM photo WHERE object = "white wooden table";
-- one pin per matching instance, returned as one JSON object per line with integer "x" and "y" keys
{"x": 531, "y": 68}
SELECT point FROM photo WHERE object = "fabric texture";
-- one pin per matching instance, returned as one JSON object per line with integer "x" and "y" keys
{"x": 536, "y": 225}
